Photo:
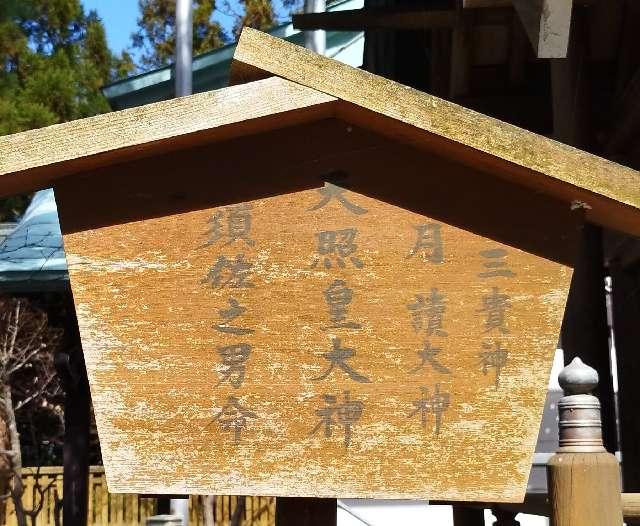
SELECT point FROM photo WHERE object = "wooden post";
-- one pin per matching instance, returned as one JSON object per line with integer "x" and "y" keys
{"x": 466, "y": 516}
{"x": 77, "y": 417}
{"x": 505, "y": 517}
{"x": 585, "y": 330}
{"x": 626, "y": 309}
{"x": 584, "y": 480}
{"x": 296, "y": 511}
{"x": 76, "y": 451}
{"x": 625, "y": 275}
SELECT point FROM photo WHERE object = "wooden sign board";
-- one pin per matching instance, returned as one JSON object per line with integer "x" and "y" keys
{"x": 321, "y": 283}
{"x": 318, "y": 343}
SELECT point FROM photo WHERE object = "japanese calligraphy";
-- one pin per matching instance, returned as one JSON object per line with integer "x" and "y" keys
{"x": 493, "y": 358}
{"x": 234, "y": 311}
{"x": 428, "y": 243}
{"x": 232, "y": 273}
{"x": 495, "y": 264}
{"x": 495, "y": 307}
{"x": 336, "y": 246}
{"x": 429, "y": 355}
{"x": 345, "y": 414}
{"x": 233, "y": 417}
{"x": 427, "y": 313}
{"x": 330, "y": 192}
{"x": 234, "y": 358}
{"x": 436, "y": 404}
{"x": 232, "y": 223}
{"x": 238, "y": 225}
{"x": 339, "y": 297}
{"x": 338, "y": 357}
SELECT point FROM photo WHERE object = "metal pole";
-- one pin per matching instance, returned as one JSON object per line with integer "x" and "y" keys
{"x": 184, "y": 47}
{"x": 184, "y": 77}
{"x": 315, "y": 40}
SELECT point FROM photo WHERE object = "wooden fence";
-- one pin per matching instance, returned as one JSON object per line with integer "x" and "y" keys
{"x": 113, "y": 509}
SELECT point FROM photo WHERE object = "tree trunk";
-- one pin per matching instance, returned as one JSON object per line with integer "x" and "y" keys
{"x": 209, "y": 503}
{"x": 17, "y": 489}
{"x": 5, "y": 467}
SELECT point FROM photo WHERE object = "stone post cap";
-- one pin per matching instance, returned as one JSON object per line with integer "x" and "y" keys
{"x": 579, "y": 411}
{"x": 578, "y": 378}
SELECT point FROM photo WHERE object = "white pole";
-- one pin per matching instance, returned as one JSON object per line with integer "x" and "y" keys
{"x": 315, "y": 40}
{"x": 184, "y": 47}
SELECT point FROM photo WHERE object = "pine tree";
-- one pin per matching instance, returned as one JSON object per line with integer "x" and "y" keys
{"x": 258, "y": 14}
{"x": 156, "y": 31}
{"x": 55, "y": 60}
{"x": 155, "y": 36}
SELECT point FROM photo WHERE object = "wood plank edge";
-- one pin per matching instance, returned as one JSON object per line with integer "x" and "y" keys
{"x": 44, "y": 175}
{"x": 596, "y": 207}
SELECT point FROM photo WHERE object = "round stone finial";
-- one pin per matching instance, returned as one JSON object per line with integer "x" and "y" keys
{"x": 578, "y": 378}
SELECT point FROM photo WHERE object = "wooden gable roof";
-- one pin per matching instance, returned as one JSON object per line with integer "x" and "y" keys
{"x": 609, "y": 192}
{"x": 296, "y": 86}
{"x": 38, "y": 158}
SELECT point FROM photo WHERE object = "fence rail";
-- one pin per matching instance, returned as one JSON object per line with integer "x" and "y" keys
{"x": 115, "y": 509}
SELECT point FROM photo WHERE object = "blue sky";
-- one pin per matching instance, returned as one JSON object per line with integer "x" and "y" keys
{"x": 119, "y": 17}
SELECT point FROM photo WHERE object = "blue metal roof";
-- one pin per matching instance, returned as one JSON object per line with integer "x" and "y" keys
{"x": 32, "y": 256}
{"x": 33, "y": 252}
{"x": 211, "y": 69}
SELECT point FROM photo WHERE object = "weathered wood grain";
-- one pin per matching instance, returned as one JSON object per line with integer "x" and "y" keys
{"x": 147, "y": 309}
{"x": 547, "y": 23}
{"x": 246, "y": 170}
{"x": 584, "y": 488}
{"x": 36, "y": 158}
{"x": 631, "y": 505}
{"x": 610, "y": 192}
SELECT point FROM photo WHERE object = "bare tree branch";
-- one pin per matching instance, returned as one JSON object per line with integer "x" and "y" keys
{"x": 27, "y": 375}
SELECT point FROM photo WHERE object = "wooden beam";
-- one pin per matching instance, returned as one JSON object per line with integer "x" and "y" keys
{"x": 481, "y": 4}
{"x": 625, "y": 297}
{"x": 570, "y": 88}
{"x": 547, "y": 23}
{"x": 467, "y": 516}
{"x": 461, "y": 57}
{"x": 518, "y": 53}
{"x": 408, "y": 115}
{"x": 584, "y": 330}
{"x": 36, "y": 158}
{"x": 380, "y": 18}
{"x": 626, "y": 125}
{"x": 440, "y": 62}
{"x": 72, "y": 372}
{"x": 379, "y": 48}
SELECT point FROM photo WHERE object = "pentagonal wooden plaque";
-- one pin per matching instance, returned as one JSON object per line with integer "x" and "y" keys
{"x": 315, "y": 343}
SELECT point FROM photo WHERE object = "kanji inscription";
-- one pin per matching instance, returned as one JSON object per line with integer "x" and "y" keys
{"x": 318, "y": 343}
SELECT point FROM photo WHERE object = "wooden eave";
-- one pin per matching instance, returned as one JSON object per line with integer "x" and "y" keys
{"x": 38, "y": 158}
{"x": 290, "y": 85}
{"x": 608, "y": 192}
